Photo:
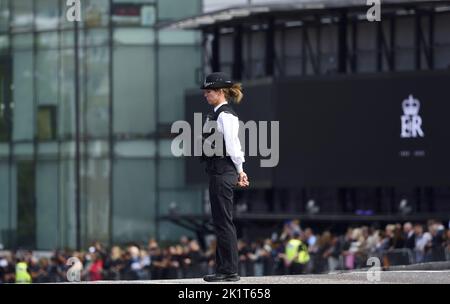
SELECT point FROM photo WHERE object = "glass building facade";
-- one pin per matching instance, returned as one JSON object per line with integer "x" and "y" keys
{"x": 85, "y": 115}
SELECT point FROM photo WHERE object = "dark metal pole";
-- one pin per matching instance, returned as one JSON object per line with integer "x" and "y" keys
{"x": 417, "y": 37}
{"x": 342, "y": 42}
{"x": 35, "y": 131}
{"x": 270, "y": 48}
{"x": 77, "y": 140}
{"x": 57, "y": 138}
{"x": 431, "y": 28}
{"x": 157, "y": 156}
{"x": 9, "y": 113}
{"x": 111, "y": 126}
{"x": 237, "y": 53}
{"x": 215, "y": 60}
{"x": 283, "y": 51}
{"x": 392, "y": 44}
{"x": 379, "y": 46}
{"x": 304, "y": 39}
{"x": 354, "y": 57}
{"x": 318, "y": 61}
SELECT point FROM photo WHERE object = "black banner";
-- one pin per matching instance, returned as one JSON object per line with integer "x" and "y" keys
{"x": 374, "y": 130}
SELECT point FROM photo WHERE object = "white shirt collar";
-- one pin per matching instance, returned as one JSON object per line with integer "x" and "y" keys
{"x": 219, "y": 105}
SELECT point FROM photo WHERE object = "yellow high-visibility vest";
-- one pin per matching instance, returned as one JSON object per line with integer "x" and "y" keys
{"x": 22, "y": 275}
{"x": 292, "y": 249}
{"x": 303, "y": 255}
{"x": 295, "y": 247}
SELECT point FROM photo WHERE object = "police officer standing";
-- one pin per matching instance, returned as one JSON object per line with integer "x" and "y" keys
{"x": 296, "y": 254}
{"x": 224, "y": 170}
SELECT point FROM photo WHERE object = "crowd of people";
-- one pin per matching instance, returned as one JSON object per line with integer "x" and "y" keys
{"x": 323, "y": 252}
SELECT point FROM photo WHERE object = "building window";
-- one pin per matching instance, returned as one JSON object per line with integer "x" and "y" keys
{"x": 46, "y": 121}
{"x": 22, "y": 17}
{"x": 26, "y": 206}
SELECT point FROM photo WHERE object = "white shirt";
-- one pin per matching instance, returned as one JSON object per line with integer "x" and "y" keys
{"x": 228, "y": 125}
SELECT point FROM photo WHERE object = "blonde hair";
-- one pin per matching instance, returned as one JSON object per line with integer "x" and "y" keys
{"x": 234, "y": 93}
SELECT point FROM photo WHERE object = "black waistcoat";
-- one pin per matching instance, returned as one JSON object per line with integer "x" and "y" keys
{"x": 220, "y": 163}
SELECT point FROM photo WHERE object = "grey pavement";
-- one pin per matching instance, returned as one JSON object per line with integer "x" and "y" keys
{"x": 357, "y": 277}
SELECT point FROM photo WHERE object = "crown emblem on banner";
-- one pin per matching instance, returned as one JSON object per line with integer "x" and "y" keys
{"x": 411, "y": 106}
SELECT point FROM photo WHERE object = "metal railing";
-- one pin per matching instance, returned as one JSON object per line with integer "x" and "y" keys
{"x": 396, "y": 257}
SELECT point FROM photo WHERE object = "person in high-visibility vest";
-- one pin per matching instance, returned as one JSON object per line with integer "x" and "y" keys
{"x": 22, "y": 275}
{"x": 296, "y": 254}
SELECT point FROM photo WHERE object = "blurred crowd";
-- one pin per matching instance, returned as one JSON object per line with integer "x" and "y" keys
{"x": 292, "y": 251}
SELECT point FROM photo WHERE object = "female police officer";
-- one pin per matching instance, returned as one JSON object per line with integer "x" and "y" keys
{"x": 225, "y": 172}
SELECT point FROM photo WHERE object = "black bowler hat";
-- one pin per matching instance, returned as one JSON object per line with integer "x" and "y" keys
{"x": 217, "y": 80}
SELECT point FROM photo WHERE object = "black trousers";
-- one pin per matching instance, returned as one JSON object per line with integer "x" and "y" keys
{"x": 296, "y": 268}
{"x": 222, "y": 182}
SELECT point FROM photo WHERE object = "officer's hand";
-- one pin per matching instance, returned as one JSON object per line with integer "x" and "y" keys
{"x": 243, "y": 180}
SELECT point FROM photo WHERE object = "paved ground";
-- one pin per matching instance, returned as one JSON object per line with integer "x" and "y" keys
{"x": 386, "y": 277}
